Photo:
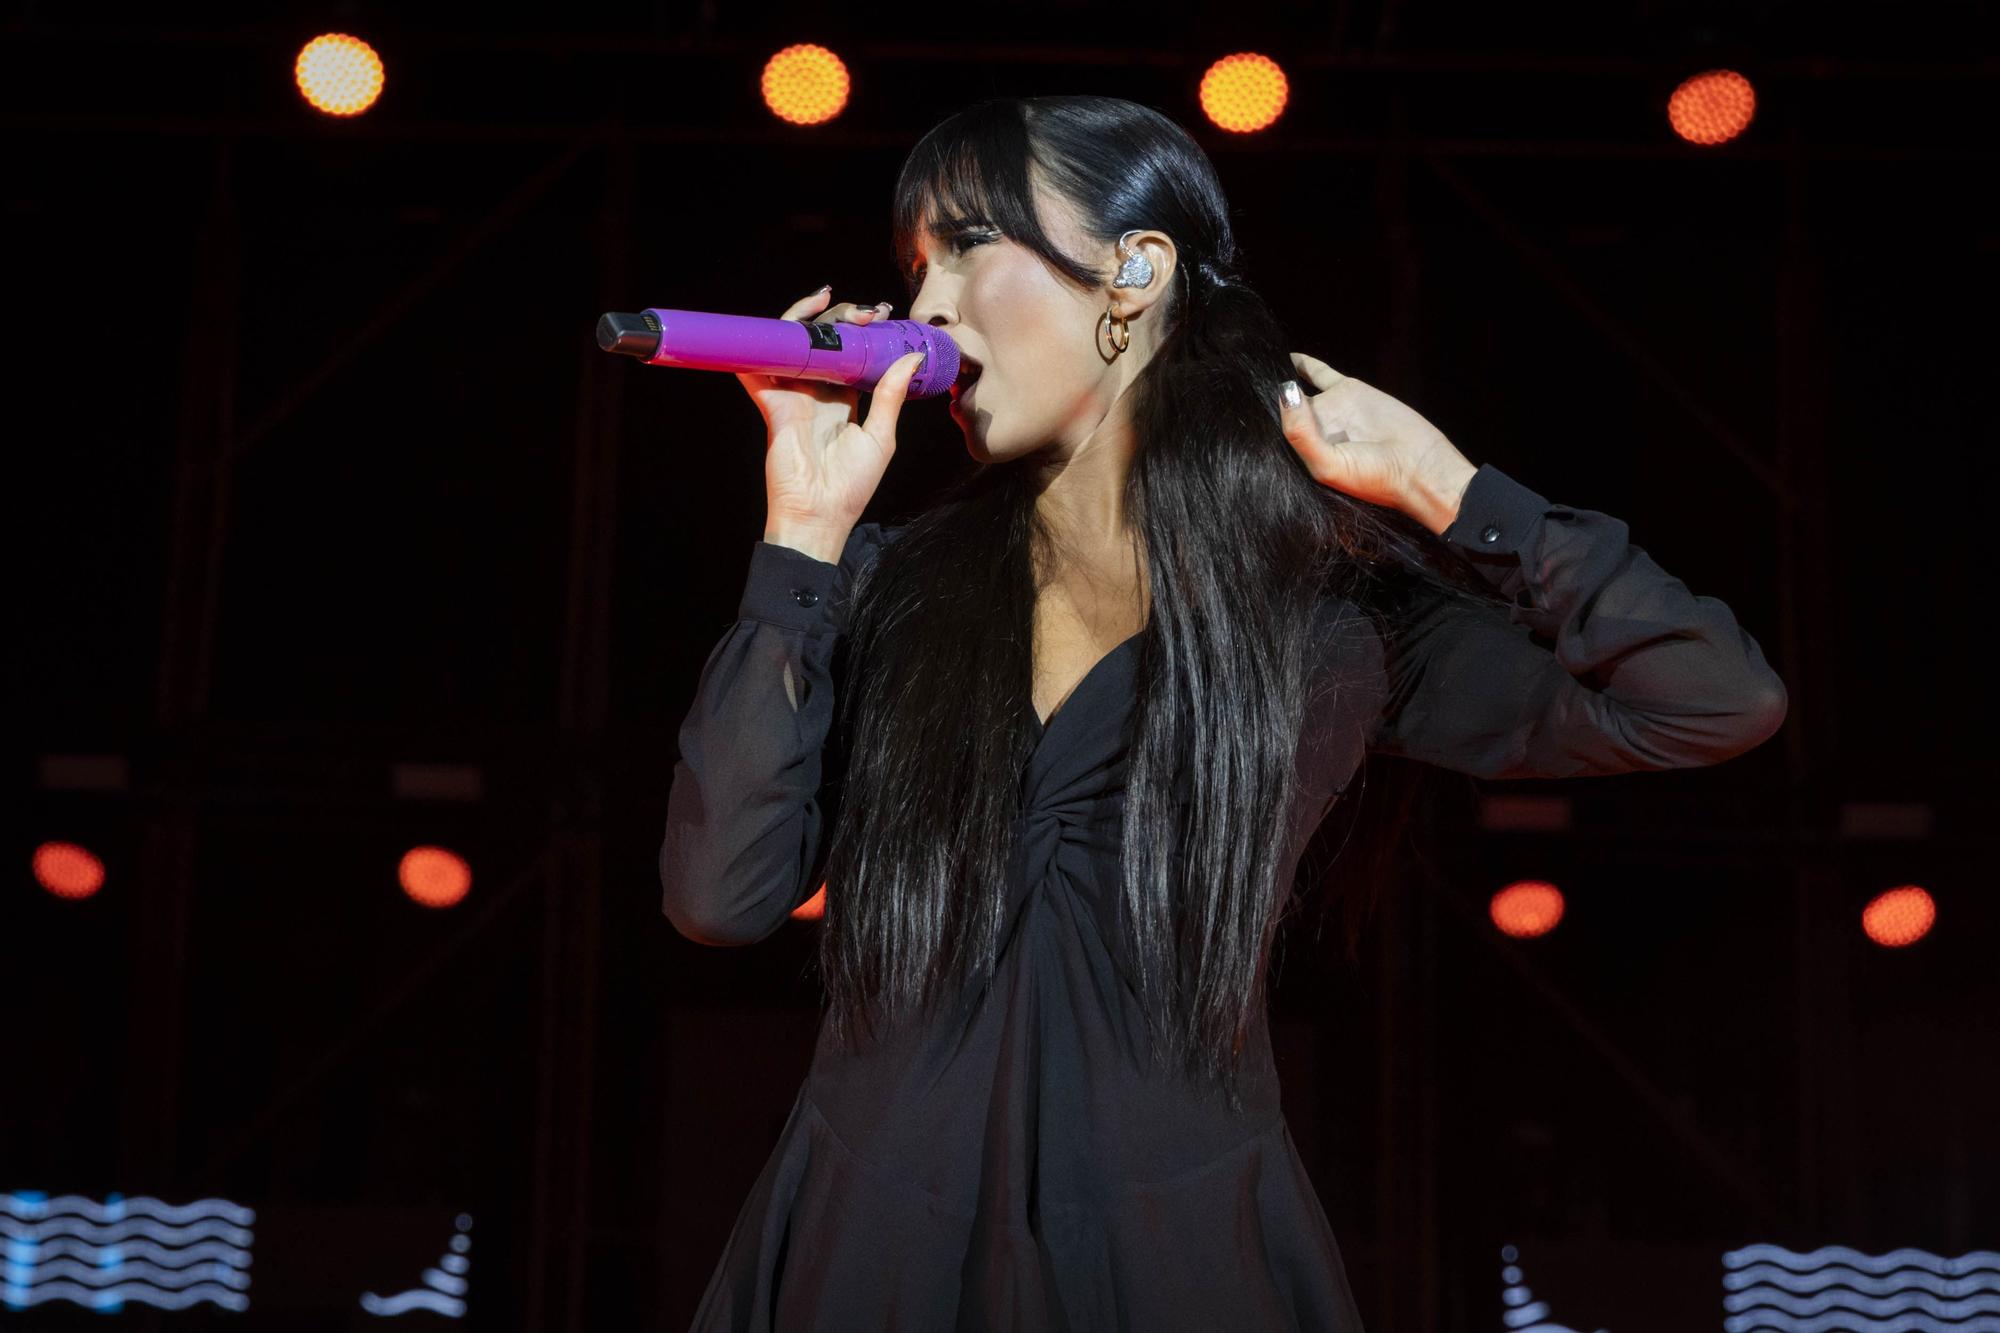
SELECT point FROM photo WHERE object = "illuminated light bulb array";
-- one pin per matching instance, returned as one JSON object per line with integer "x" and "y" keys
{"x": 67, "y": 870}
{"x": 339, "y": 74}
{"x": 805, "y": 84}
{"x": 1527, "y": 908}
{"x": 434, "y": 877}
{"x": 1712, "y": 108}
{"x": 1899, "y": 917}
{"x": 808, "y": 84}
{"x": 1244, "y": 92}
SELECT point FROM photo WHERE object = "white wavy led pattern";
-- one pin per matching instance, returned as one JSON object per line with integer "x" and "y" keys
{"x": 138, "y": 1249}
{"x": 1835, "y": 1288}
{"x": 1524, "y": 1314}
{"x": 442, "y": 1292}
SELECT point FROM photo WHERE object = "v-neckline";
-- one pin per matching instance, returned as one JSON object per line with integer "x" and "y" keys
{"x": 1041, "y": 727}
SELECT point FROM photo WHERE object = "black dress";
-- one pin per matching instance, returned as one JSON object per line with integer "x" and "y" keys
{"x": 1021, "y": 1166}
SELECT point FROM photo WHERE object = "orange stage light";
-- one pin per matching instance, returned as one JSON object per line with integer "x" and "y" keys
{"x": 339, "y": 74}
{"x": 1244, "y": 92}
{"x": 434, "y": 877}
{"x": 1712, "y": 108}
{"x": 1527, "y": 908}
{"x": 1899, "y": 917}
{"x": 805, "y": 84}
{"x": 67, "y": 870}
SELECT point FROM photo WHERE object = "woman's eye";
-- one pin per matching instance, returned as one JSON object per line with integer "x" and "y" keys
{"x": 960, "y": 242}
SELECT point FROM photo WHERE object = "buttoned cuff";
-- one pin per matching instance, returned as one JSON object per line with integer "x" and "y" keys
{"x": 787, "y": 587}
{"x": 1497, "y": 516}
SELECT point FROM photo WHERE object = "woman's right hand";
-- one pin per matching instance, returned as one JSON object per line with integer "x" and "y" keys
{"x": 820, "y": 464}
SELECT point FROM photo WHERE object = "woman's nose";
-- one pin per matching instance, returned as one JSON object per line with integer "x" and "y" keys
{"x": 930, "y": 309}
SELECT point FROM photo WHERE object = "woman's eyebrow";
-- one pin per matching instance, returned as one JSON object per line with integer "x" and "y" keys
{"x": 943, "y": 229}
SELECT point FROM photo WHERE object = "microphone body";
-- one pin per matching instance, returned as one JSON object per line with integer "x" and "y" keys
{"x": 855, "y": 354}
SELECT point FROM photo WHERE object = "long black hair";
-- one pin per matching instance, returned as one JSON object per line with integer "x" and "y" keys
{"x": 1239, "y": 543}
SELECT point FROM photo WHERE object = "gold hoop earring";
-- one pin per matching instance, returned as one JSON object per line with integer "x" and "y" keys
{"x": 1122, "y": 339}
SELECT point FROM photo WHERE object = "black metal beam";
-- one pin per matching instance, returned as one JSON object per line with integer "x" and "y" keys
{"x": 831, "y": 137}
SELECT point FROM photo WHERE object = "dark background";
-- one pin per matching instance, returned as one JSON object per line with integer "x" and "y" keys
{"x": 324, "y": 473}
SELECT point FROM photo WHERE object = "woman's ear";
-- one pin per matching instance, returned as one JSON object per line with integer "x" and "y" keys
{"x": 1157, "y": 248}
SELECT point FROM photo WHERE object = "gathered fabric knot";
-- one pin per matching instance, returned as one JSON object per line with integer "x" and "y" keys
{"x": 1038, "y": 836}
{"x": 1049, "y": 839}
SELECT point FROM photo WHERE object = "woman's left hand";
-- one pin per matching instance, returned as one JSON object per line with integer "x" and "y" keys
{"x": 1359, "y": 440}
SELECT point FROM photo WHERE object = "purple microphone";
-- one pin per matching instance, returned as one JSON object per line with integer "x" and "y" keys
{"x": 798, "y": 349}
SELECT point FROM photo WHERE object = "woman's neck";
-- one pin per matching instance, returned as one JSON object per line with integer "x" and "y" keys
{"x": 1091, "y": 558}
{"x": 1081, "y": 488}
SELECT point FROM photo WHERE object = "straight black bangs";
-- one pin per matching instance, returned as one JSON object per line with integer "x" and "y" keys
{"x": 976, "y": 169}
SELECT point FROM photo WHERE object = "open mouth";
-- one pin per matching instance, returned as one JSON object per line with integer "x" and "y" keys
{"x": 968, "y": 371}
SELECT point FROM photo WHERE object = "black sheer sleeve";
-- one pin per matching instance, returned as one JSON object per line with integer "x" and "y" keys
{"x": 745, "y": 811}
{"x": 1601, "y": 663}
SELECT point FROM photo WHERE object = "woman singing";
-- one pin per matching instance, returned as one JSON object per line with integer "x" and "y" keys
{"x": 1056, "y": 744}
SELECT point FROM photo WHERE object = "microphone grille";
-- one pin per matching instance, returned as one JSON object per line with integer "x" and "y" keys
{"x": 940, "y": 368}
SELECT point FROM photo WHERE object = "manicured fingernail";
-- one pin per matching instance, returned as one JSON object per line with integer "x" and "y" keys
{"x": 884, "y": 307}
{"x": 1289, "y": 392}
{"x": 824, "y": 290}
